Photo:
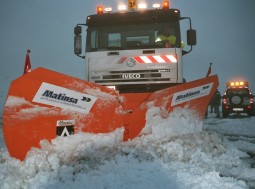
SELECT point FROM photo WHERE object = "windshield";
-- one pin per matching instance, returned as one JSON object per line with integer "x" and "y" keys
{"x": 133, "y": 37}
{"x": 238, "y": 91}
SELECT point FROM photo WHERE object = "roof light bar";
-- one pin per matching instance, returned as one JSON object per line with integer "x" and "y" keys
{"x": 237, "y": 84}
{"x": 133, "y": 5}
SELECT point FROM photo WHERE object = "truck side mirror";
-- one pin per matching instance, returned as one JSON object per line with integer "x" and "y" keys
{"x": 77, "y": 40}
{"x": 77, "y": 44}
{"x": 77, "y": 30}
{"x": 191, "y": 37}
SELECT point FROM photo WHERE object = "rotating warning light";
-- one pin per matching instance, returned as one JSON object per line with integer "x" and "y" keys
{"x": 166, "y": 5}
{"x": 100, "y": 9}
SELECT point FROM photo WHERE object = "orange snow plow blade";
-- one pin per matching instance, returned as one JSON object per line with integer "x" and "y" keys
{"x": 44, "y": 104}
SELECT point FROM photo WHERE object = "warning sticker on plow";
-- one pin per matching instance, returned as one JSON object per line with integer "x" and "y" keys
{"x": 64, "y": 98}
{"x": 65, "y": 127}
{"x": 191, "y": 94}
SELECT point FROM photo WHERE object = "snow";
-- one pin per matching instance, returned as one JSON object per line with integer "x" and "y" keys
{"x": 238, "y": 125}
{"x": 31, "y": 110}
{"x": 177, "y": 152}
{"x": 181, "y": 121}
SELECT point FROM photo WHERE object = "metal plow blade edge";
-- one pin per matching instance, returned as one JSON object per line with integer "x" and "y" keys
{"x": 44, "y": 104}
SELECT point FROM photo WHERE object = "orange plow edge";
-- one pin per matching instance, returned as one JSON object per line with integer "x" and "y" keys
{"x": 44, "y": 104}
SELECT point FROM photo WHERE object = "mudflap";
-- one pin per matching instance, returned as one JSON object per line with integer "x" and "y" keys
{"x": 44, "y": 104}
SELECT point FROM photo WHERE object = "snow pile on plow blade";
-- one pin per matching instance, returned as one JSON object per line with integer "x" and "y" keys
{"x": 44, "y": 104}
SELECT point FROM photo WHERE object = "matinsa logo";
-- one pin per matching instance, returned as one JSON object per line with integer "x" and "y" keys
{"x": 59, "y": 96}
{"x": 64, "y": 98}
{"x": 191, "y": 94}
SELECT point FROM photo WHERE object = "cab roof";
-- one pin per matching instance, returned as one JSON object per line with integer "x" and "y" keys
{"x": 133, "y": 17}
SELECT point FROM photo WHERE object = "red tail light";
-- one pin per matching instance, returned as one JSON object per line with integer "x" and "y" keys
{"x": 224, "y": 101}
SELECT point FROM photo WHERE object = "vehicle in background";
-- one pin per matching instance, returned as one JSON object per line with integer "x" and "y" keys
{"x": 237, "y": 98}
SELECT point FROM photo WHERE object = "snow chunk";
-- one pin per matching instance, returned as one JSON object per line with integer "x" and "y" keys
{"x": 179, "y": 122}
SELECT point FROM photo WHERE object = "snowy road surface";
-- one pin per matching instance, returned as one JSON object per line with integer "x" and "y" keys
{"x": 217, "y": 157}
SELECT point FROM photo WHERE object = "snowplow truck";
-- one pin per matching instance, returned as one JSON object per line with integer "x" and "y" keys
{"x": 130, "y": 66}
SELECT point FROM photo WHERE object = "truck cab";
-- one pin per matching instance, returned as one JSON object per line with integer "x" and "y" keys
{"x": 123, "y": 50}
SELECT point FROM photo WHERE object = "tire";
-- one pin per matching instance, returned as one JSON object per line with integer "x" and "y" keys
{"x": 225, "y": 114}
{"x": 236, "y": 100}
{"x": 253, "y": 111}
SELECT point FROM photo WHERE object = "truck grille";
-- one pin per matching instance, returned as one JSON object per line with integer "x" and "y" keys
{"x": 138, "y": 76}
